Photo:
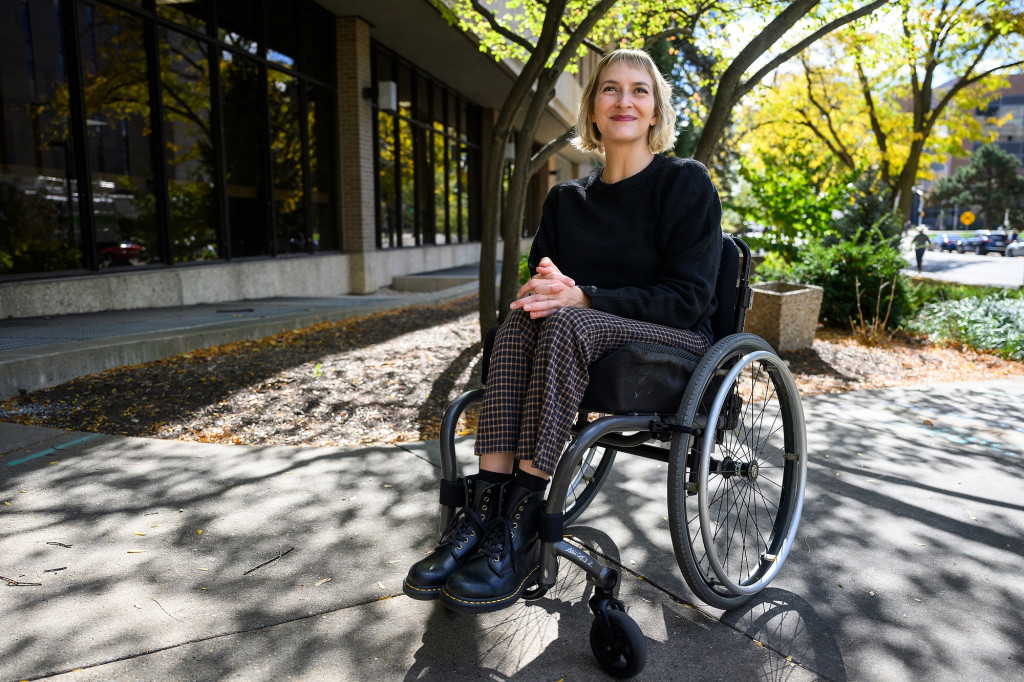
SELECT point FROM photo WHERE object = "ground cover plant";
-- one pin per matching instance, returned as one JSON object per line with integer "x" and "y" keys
{"x": 993, "y": 323}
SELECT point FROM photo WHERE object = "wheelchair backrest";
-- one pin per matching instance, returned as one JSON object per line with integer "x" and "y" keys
{"x": 732, "y": 291}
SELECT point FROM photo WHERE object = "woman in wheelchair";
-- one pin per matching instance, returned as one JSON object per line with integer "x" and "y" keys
{"x": 627, "y": 254}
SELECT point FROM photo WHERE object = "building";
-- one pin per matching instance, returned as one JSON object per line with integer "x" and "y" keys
{"x": 171, "y": 152}
{"x": 1001, "y": 121}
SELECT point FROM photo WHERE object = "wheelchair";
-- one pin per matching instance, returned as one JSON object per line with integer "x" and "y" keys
{"x": 730, "y": 426}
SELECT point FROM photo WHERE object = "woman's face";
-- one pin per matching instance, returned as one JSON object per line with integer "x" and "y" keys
{"x": 624, "y": 107}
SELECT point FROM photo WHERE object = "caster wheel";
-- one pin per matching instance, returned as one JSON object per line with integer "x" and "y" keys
{"x": 534, "y": 592}
{"x": 622, "y": 651}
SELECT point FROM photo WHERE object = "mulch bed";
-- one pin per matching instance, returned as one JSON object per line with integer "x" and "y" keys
{"x": 386, "y": 378}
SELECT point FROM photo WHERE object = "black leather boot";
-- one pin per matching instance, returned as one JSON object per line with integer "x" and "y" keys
{"x": 465, "y": 534}
{"x": 506, "y": 562}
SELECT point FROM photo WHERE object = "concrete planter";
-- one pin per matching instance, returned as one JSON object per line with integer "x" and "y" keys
{"x": 783, "y": 314}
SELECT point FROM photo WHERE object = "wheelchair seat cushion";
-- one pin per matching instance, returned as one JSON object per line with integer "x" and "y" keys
{"x": 639, "y": 377}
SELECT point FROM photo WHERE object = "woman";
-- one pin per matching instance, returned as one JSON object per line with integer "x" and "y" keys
{"x": 628, "y": 254}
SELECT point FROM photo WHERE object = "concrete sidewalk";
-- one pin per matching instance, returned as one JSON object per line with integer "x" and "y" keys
{"x": 167, "y": 560}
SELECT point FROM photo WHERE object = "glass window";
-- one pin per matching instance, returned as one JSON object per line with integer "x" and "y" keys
{"x": 116, "y": 93}
{"x": 248, "y": 119}
{"x": 407, "y": 191}
{"x": 193, "y": 14}
{"x": 191, "y": 166}
{"x": 426, "y": 172}
{"x": 238, "y": 24}
{"x": 320, "y": 119}
{"x": 38, "y": 187}
{"x": 387, "y": 168}
{"x": 243, "y": 102}
{"x": 286, "y": 150}
{"x": 282, "y": 35}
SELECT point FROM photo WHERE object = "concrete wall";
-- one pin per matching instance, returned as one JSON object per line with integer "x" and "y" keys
{"x": 328, "y": 275}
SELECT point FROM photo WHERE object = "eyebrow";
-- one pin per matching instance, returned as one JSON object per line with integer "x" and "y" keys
{"x": 615, "y": 82}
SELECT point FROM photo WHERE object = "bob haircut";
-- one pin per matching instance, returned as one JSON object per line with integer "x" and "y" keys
{"x": 662, "y": 135}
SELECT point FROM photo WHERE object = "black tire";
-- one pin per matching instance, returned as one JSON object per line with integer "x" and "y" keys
{"x": 589, "y": 475}
{"x": 980, "y": 250}
{"x": 733, "y": 512}
{"x": 623, "y": 651}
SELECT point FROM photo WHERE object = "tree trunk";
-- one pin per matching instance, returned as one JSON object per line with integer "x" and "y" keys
{"x": 494, "y": 166}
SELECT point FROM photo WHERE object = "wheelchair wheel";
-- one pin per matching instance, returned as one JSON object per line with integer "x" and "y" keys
{"x": 588, "y": 477}
{"x": 736, "y": 490}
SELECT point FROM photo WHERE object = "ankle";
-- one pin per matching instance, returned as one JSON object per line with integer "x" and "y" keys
{"x": 492, "y": 477}
{"x": 534, "y": 484}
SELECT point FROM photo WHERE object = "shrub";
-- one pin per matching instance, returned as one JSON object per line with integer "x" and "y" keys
{"x": 851, "y": 273}
{"x": 994, "y": 323}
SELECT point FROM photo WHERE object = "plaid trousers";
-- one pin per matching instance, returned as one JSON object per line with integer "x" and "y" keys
{"x": 538, "y": 374}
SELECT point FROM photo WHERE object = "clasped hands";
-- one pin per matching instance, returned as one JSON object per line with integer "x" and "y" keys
{"x": 547, "y": 291}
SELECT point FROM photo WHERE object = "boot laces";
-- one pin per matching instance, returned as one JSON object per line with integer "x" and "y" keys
{"x": 498, "y": 543}
{"x": 466, "y": 523}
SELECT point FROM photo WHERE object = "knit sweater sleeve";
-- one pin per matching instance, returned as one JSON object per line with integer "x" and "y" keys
{"x": 690, "y": 239}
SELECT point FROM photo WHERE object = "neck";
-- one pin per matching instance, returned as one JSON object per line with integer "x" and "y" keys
{"x": 623, "y": 163}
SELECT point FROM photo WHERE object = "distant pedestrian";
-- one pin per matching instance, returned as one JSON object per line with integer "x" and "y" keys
{"x": 920, "y": 242}
{"x": 906, "y": 227}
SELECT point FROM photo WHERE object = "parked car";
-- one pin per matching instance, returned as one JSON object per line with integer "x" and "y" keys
{"x": 983, "y": 241}
{"x": 1015, "y": 248}
{"x": 943, "y": 242}
{"x": 120, "y": 253}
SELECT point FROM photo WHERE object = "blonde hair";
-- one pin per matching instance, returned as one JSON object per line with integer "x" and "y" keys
{"x": 662, "y": 135}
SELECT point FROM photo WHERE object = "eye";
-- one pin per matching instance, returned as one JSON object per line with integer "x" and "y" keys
{"x": 640, "y": 91}
{"x": 608, "y": 88}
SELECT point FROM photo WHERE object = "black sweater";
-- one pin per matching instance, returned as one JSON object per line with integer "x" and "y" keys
{"x": 647, "y": 247}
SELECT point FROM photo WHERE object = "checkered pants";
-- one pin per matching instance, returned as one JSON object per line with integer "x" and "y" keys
{"x": 538, "y": 374}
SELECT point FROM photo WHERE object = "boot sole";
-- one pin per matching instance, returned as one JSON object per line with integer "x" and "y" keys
{"x": 421, "y": 593}
{"x": 464, "y": 605}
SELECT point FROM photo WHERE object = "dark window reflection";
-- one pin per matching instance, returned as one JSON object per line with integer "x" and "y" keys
{"x": 243, "y": 100}
{"x": 286, "y": 151}
{"x": 246, "y": 126}
{"x": 191, "y": 165}
{"x": 116, "y": 93}
{"x": 427, "y": 154}
{"x": 39, "y": 227}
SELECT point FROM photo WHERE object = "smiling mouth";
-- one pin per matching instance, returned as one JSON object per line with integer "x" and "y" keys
{"x": 623, "y": 118}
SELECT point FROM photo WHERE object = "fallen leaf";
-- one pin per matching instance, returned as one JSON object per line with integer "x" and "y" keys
{"x": 388, "y": 485}
{"x": 138, "y": 533}
{"x": 320, "y": 582}
{"x": 136, "y": 551}
{"x": 380, "y": 585}
{"x": 199, "y": 532}
{"x": 201, "y": 569}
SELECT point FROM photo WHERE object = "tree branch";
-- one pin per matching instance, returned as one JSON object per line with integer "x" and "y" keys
{"x": 501, "y": 30}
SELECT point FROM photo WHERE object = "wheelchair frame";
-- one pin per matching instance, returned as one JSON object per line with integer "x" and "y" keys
{"x": 737, "y": 466}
